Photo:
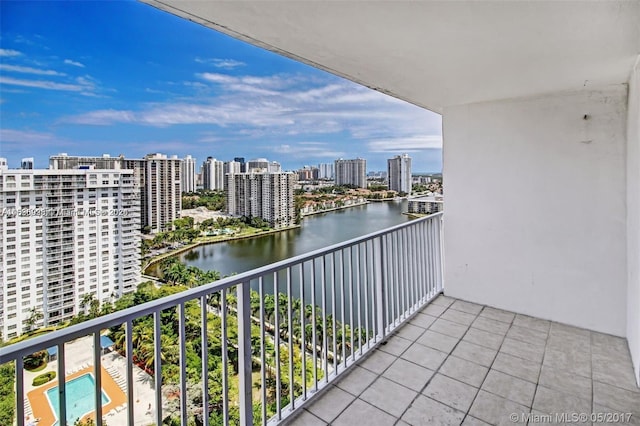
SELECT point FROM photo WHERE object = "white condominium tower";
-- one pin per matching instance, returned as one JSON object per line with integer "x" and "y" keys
{"x": 351, "y": 172}
{"x": 188, "y": 177}
{"x": 232, "y": 167}
{"x": 399, "y": 173}
{"x": 265, "y": 195}
{"x": 65, "y": 234}
{"x": 156, "y": 182}
{"x": 326, "y": 171}
{"x": 162, "y": 189}
{"x": 213, "y": 174}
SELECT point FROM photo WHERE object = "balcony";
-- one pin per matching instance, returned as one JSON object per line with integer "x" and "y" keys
{"x": 366, "y": 344}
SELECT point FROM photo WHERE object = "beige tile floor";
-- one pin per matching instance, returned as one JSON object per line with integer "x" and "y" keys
{"x": 461, "y": 363}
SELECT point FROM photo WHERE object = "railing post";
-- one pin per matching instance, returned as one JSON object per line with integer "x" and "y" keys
{"x": 440, "y": 256}
{"x": 381, "y": 307}
{"x": 244, "y": 353}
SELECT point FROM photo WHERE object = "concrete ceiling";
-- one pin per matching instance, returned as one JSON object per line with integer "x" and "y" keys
{"x": 440, "y": 53}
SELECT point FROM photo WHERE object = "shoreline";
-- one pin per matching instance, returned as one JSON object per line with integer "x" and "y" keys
{"x": 211, "y": 240}
{"x": 334, "y": 209}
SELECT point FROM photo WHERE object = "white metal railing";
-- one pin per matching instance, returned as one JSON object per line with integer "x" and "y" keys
{"x": 287, "y": 329}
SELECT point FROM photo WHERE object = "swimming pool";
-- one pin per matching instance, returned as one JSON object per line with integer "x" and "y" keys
{"x": 80, "y": 398}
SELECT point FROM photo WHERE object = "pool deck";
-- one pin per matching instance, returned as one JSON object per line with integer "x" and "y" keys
{"x": 42, "y": 409}
{"x": 79, "y": 361}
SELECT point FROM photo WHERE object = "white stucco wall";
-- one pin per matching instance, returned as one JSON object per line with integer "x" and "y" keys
{"x": 535, "y": 216}
{"x": 633, "y": 218}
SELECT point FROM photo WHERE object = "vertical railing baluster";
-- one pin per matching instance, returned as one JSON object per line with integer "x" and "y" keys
{"x": 62, "y": 379}
{"x": 276, "y": 333}
{"x": 367, "y": 276}
{"x": 97, "y": 376}
{"x": 157, "y": 361}
{"x": 182, "y": 321}
{"x": 422, "y": 262}
{"x": 225, "y": 356}
{"x": 332, "y": 276}
{"x": 20, "y": 396}
{"x": 381, "y": 283}
{"x": 292, "y": 399}
{"x": 263, "y": 376}
{"x": 204, "y": 337}
{"x": 396, "y": 279}
{"x": 325, "y": 343}
{"x": 343, "y": 303}
{"x": 314, "y": 325}
{"x": 129, "y": 371}
{"x": 303, "y": 337}
{"x": 439, "y": 226}
{"x": 411, "y": 252}
{"x": 356, "y": 248}
{"x": 357, "y": 279}
{"x": 351, "y": 302}
{"x": 245, "y": 353}
{"x": 429, "y": 254}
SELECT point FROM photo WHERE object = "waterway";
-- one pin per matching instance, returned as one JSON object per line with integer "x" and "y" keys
{"x": 316, "y": 232}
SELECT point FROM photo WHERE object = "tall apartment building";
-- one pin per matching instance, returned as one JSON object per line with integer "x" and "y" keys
{"x": 188, "y": 174}
{"x": 399, "y": 173}
{"x": 232, "y": 167}
{"x": 3, "y": 164}
{"x": 163, "y": 191}
{"x": 265, "y": 195}
{"x": 257, "y": 165}
{"x": 242, "y": 163}
{"x": 153, "y": 176}
{"x": 351, "y": 172}
{"x": 65, "y": 234}
{"x": 325, "y": 171}
{"x": 213, "y": 174}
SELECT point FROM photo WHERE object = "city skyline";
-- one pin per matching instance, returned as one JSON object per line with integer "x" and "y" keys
{"x": 113, "y": 79}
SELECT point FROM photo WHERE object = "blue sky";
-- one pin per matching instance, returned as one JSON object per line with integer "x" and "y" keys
{"x": 121, "y": 77}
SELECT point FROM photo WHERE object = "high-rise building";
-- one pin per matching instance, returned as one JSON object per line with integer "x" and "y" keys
{"x": 351, "y": 172}
{"x": 65, "y": 234}
{"x": 3, "y": 164}
{"x": 213, "y": 174}
{"x": 27, "y": 163}
{"x": 274, "y": 167}
{"x": 242, "y": 164}
{"x": 265, "y": 195}
{"x": 399, "y": 173}
{"x": 150, "y": 178}
{"x": 188, "y": 174}
{"x": 325, "y": 171}
{"x": 258, "y": 165}
{"x": 162, "y": 190}
{"x": 232, "y": 167}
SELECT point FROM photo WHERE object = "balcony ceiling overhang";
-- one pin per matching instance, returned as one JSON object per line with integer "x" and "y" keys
{"x": 440, "y": 53}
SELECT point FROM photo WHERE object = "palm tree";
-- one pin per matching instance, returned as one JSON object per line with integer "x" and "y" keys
{"x": 86, "y": 300}
{"x": 34, "y": 316}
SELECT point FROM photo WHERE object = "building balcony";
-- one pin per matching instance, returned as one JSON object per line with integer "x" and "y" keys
{"x": 372, "y": 337}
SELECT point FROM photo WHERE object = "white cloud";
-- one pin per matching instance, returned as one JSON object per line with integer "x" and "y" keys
{"x": 13, "y": 140}
{"x": 41, "y": 84}
{"x": 74, "y": 63}
{"x": 303, "y": 150}
{"x": 406, "y": 144}
{"x": 287, "y": 107}
{"x": 227, "y": 64}
{"x": 28, "y": 70}
{"x": 9, "y": 52}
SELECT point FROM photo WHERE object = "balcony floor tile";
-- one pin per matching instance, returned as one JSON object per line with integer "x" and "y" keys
{"x": 462, "y": 363}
